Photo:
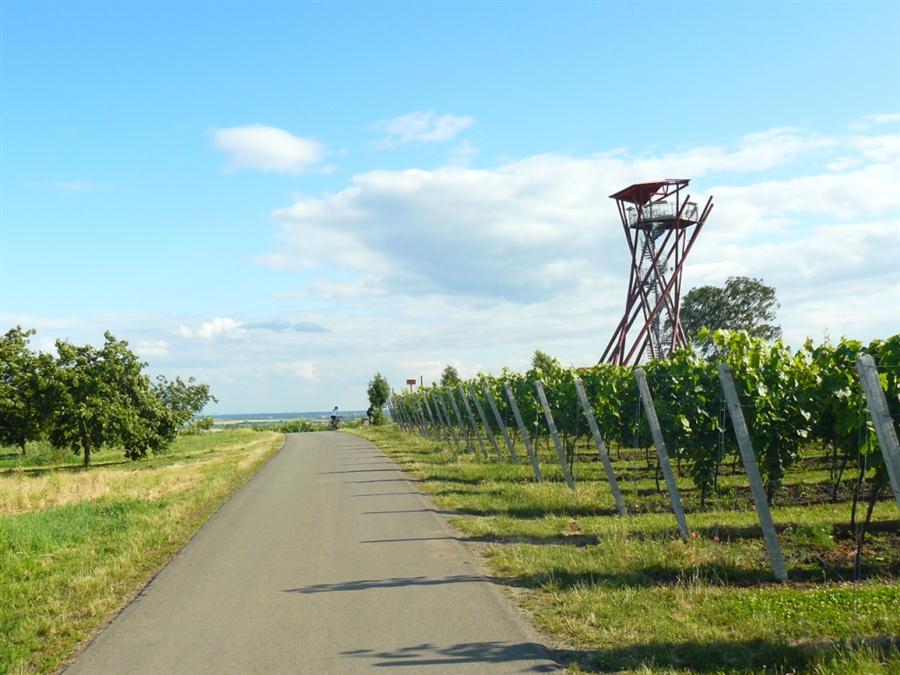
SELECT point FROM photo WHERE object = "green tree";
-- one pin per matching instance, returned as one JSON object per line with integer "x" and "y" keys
{"x": 544, "y": 362}
{"x": 102, "y": 397}
{"x": 184, "y": 399}
{"x": 743, "y": 304}
{"x": 25, "y": 381}
{"x": 379, "y": 390}
{"x": 450, "y": 377}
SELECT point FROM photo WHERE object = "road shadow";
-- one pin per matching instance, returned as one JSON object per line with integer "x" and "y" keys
{"x": 395, "y": 582}
{"x": 382, "y": 480}
{"x": 407, "y": 539}
{"x": 396, "y": 511}
{"x": 327, "y": 473}
{"x": 385, "y": 494}
{"x": 519, "y": 655}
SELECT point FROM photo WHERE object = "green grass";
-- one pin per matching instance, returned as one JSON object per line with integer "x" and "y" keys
{"x": 75, "y": 545}
{"x": 627, "y": 593}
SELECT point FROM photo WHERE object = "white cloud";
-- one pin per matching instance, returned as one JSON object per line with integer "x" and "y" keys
{"x": 264, "y": 148}
{"x": 420, "y": 127}
{"x": 305, "y": 370}
{"x": 534, "y": 247}
{"x": 879, "y": 119}
{"x": 878, "y": 148}
{"x": 462, "y": 153}
{"x": 150, "y": 349}
{"x": 214, "y": 329}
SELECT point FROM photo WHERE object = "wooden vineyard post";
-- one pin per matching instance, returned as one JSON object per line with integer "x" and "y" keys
{"x": 563, "y": 464}
{"x": 442, "y": 412}
{"x": 532, "y": 455}
{"x": 500, "y": 423}
{"x": 661, "y": 451}
{"x": 487, "y": 430}
{"x": 601, "y": 447}
{"x": 881, "y": 417}
{"x": 773, "y": 546}
{"x": 463, "y": 429}
{"x": 465, "y": 400}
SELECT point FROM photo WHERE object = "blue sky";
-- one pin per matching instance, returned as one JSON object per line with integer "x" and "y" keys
{"x": 283, "y": 198}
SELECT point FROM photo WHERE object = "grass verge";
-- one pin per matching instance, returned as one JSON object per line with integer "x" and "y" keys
{"x": 75, "y": 545}
{"x": 627, "y": 594}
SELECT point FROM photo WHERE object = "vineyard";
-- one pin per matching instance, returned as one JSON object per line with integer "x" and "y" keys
{"x": 551, "y": 465}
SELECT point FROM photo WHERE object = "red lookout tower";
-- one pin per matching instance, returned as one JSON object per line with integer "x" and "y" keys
{"x": 661, "y": 226}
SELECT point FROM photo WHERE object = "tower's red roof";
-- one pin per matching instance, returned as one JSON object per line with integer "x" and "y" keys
{"x": 641, "y": 193}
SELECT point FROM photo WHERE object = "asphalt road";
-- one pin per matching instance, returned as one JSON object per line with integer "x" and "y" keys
{"x": 327, "y": 561}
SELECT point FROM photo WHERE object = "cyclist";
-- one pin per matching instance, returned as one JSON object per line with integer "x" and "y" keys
{"x": 335, "y": 418}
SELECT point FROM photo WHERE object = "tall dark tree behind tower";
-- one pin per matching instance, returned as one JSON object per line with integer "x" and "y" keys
{"x": 743, "y": 303}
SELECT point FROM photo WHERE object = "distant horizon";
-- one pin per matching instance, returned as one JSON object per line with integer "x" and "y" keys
{"x": 280, "y": 415}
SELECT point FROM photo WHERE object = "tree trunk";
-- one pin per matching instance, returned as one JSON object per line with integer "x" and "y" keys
{"x": 86, "y": 445}
{"x": 22, "y": 447}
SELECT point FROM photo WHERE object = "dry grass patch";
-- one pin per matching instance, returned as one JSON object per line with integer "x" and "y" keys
{"x": 22, "y": 492}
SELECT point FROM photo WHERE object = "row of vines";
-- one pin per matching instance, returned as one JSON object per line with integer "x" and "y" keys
{"x": 791, "y": 400}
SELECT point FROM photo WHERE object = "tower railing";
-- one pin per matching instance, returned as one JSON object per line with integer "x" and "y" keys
{"x": 661, "y": 211}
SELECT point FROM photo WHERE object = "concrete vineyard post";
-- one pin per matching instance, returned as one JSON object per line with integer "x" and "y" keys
{"x": 532, "y": 455}
{"x": 560, "y": 453}
{"x": 438, "y": 420}
{"x": 484, "y": 423}
{"x": 423, "y": 427}
{"x": 601, "y": 447}
{"x": 463, "y": 428}
{"x": 881, "y": 418}
{"x": 426, "y": 415}
{"x": 390, "y": 408}
{"x": 407, "y": 417}
{"x": 773, "y": 546}
{"x": 402, "y": 417}
{"x": 439, "y": 405}
{"x": 661, "y": 451}
{"x": 503, "y": 430}
{"x": 439, "y": 432}
{"x": 465, "y": 400}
